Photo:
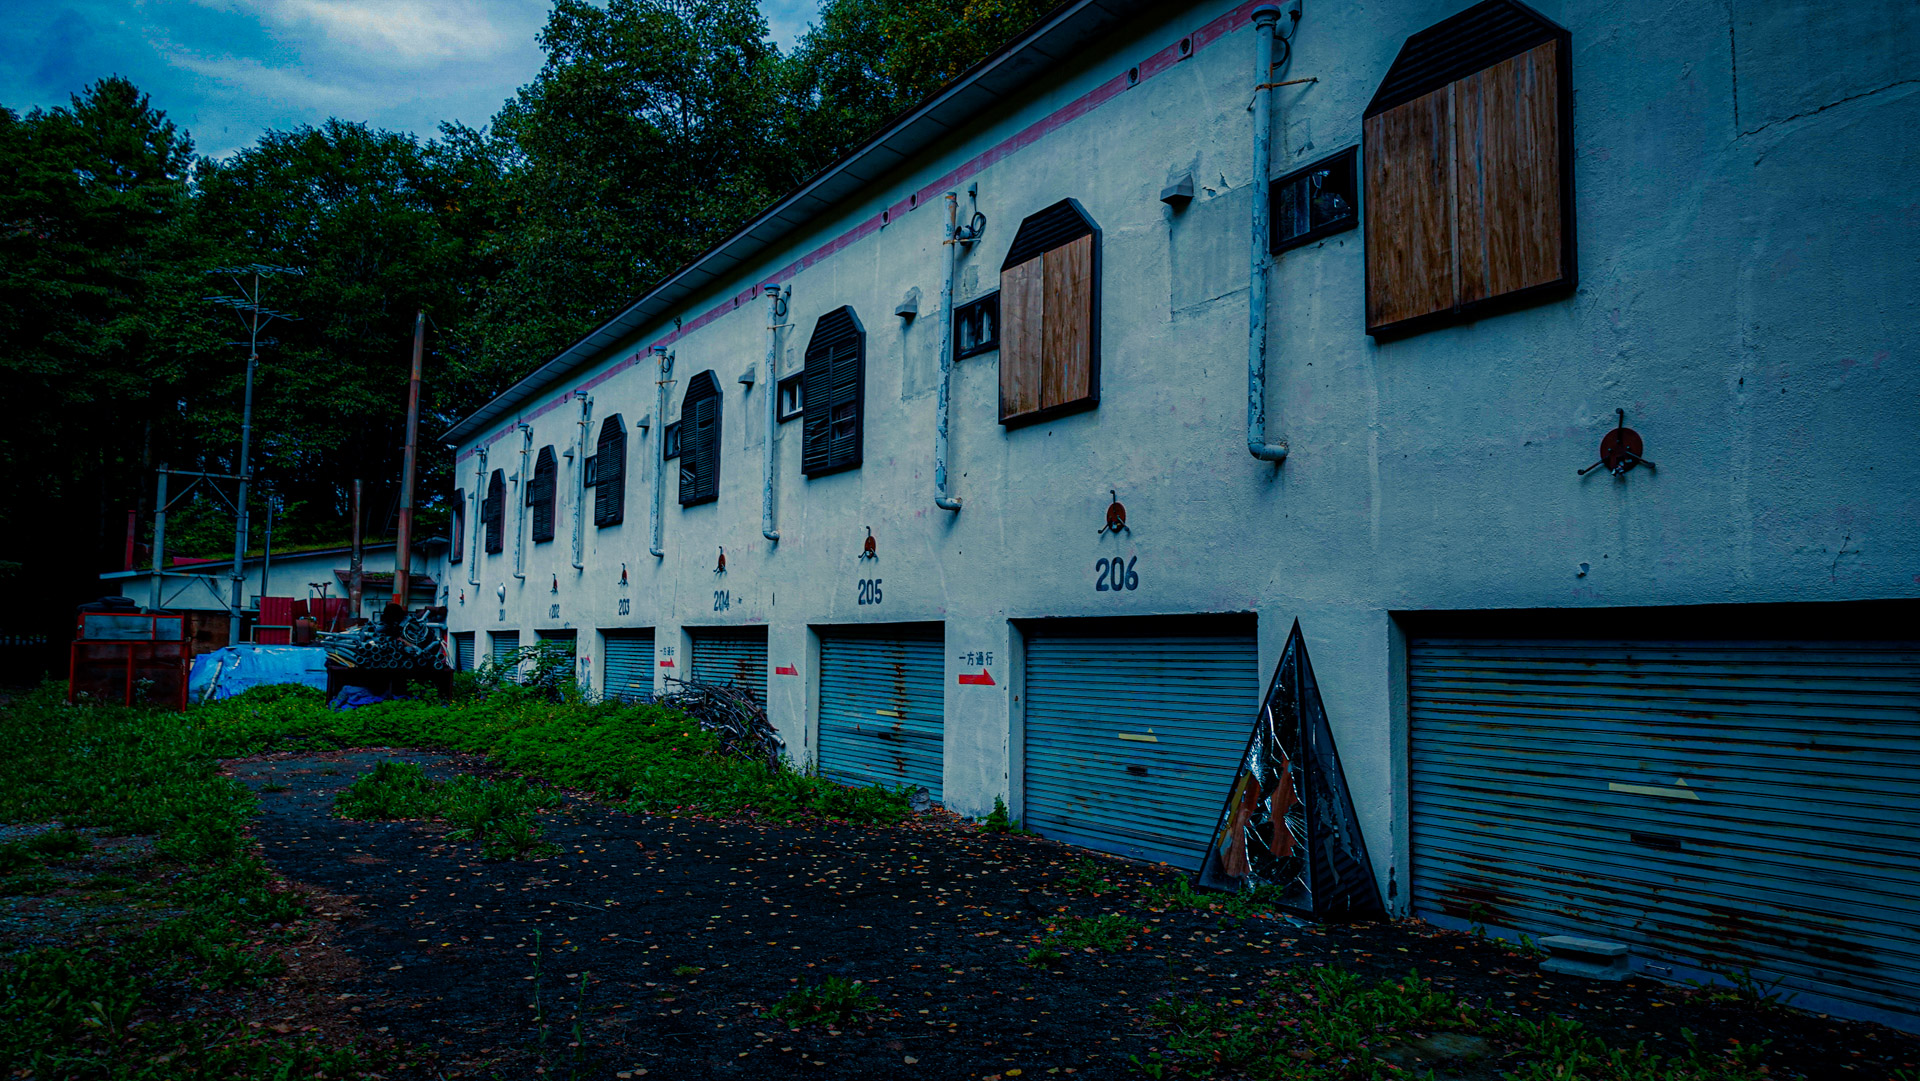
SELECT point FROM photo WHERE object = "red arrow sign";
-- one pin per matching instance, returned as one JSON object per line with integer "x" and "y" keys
{"x": 983, "y": 679}
{"x": 786, "y": 670}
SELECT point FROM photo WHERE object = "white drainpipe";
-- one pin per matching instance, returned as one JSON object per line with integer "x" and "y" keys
{"x": 660, "y": 445}
{"x": 580, "y": 489}
{"x": 520, "y": 505}
{"x": 776, "y": 310}
{"x": 950, "y": 243}
{"x": 477, "y": 527}
{"x": 1265, "y": 18}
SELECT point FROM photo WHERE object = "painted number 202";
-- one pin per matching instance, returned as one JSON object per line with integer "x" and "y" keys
{"x": 1115, "y": 575}
{"x": 868, "y": 591}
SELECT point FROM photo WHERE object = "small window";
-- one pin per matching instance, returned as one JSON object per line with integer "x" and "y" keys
{"x": 610, "y": 473}
{"x": 1315, "y": 202}
{"x": 457, "y": 552}
{"x": 792, "y": 398}
{"x": 976, "y": 327}
{"x": 543, "y": 493}
{"x": 493, "y": 512}
{"x": 700, "y": 440}
{"x": 670, "y": 442}
{"x": 1469, "y": 171}
{"x": 588, "y": 469}
{"x": 1050, "y": 307}
{"x": 832, "y": 395}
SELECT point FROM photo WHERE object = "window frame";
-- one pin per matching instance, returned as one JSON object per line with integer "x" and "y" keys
{"x": 824, "y": 367}
{"x": 988, "y": 302}
{"x": 701, "y": 388}
{"x": 1025, "y": 250}
{"x": 794, "y": 383}
{"x": 1349, "y": 159}
{"x": 670, "y": 442}
{"x": 493, "y": 516}
{"x": 610, "y": 490}
{"x": 543, "y": 494}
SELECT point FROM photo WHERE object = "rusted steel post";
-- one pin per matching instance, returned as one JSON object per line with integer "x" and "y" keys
{"x": 355, "y": 581}
{"x": 403, "y": 548}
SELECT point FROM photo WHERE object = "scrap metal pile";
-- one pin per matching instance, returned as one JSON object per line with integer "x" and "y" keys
{"x": 398, "y": 640}
{"x": 731, "y": 713}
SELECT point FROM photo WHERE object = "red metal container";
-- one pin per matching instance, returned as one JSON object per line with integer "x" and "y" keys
{"x": 124, "y": 657}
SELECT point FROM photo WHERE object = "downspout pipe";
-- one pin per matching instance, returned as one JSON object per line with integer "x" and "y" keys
{"x": 580, "y": 489}
{"x": 950, "y": 244}
{"x": 660, "y": 445}
{"x": 776, "y": 312}
{"x": 520, "y": 505}
{"x": 1266, "y": 18}
{"x": 476, "y": 526}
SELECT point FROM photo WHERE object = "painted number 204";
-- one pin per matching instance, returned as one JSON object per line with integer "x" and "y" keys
{"x": 1115, "y": 575}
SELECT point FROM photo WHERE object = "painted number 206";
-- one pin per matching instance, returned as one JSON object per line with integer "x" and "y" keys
{"x": 1115, "y": 575}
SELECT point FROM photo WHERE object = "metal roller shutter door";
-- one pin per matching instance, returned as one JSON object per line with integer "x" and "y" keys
{"x": 882, "y": 709}
{"x": 1748, "y": 806}
{"x": 731, "y": 656}
{"x": 1132, "y": 743}
{"x": 504, "y": 643}
{"x": 463, "y": 651}
{"x": 628, "y": 673}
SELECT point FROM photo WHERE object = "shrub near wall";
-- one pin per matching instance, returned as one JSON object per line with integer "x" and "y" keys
{"x": 655, "y": 758}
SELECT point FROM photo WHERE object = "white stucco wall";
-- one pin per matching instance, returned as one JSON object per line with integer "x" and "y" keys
{"x": 1746, "y": 247}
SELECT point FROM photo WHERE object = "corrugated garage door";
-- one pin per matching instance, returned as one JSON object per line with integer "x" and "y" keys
{"x": 731, "y": 655}
{"x": 1132, "y": 740}
{"x": 628, "y": 673}
{"x": 463, "y": 651}
{"x": 504, "y": 643}
{"x": 881, "y": 706}
{"x": 1743, "y": 806}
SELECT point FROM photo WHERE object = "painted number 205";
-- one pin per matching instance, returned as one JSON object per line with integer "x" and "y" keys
{"x": 868, "y": 591}
{"x": 1115, "y": 575}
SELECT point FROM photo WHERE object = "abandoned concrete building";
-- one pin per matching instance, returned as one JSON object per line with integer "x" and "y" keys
{"x": 1003, "y": 456}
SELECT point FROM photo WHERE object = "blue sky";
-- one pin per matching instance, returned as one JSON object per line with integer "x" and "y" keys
{"x": 228, "y": 69}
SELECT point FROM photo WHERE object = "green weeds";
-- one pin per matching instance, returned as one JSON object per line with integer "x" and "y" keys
{"x": 1089, "y": 877}
{"x": 1326, "y": 1022}
{"x": 1180, "y": 896}
{"x": 1109, "y": 933}
{"x": 498, "y": 814}
{"x": 838, "y": 1001}
{"x": 1000, "y": 820}
{"x": 1043, "y": 957}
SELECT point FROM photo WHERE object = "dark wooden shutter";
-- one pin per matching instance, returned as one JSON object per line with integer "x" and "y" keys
{"x": 1049, "y": 317}
{"x": 457, "y": 552}
{"x": 610, "y": 473}
{"x": 494, "y": 511}
{"x": 1469, "y": 202}
{"x": 833, "y": 395}
{"x": 543, "y": 493}
{"x": 700, "y": 441}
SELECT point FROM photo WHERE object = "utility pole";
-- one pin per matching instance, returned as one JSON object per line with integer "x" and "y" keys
{"x": 354, "y": 578}
{"x": 254, "y": 317}
{"x": 403, "y": 548}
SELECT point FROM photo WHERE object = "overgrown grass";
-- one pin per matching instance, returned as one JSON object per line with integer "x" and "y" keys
{"x": 111, "y": 1006}
{"x": 497, "y": 813}
{"x": 1109, "y": 932}
{"x": 837, "y": 1001}
{"x": 1180, "y": 896}
{"x": 653, "y": 758}
{"x": 1329, "y": 1023}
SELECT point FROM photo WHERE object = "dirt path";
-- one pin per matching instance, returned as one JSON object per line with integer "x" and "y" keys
{"x": 441, "y": 949}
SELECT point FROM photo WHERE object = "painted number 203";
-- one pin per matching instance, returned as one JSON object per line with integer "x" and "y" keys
{"x": 868, "y": 591}
{"x": 1115, "y": 575}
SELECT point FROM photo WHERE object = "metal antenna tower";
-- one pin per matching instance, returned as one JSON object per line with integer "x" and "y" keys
{"x": 254, "y": 317}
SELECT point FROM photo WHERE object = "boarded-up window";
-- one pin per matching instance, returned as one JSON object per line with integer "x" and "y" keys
{"x": 457, "y": 552}
{"x": 831, "y": 396}
{"x": 1050, "y": 316}
{"x": 1469, "y": 171}
{"x": 700, "y": 441}
{"x": 493, "y": 512}
{"x": 543, "y": 493}
{"x": 610, "y": 473}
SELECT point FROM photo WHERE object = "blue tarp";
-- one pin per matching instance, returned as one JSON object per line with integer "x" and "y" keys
{"x": 226, "y": 672}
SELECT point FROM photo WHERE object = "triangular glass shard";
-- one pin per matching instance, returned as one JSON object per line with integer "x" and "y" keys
{"x": 1288, "y": 822}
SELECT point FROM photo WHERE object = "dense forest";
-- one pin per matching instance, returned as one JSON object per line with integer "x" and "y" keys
{"x": 653, "y": 129}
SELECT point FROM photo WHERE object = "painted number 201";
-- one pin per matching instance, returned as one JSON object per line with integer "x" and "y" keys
{"x": 868, "y": 591}
{"x": 1115, "y": 575}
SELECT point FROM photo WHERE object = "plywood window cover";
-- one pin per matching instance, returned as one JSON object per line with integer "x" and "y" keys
{"x": 1050, "y": 230}
{"x": 1457, "y": 48}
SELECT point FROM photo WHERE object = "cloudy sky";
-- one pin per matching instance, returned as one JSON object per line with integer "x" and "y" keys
{"x": 229, "y": 69}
